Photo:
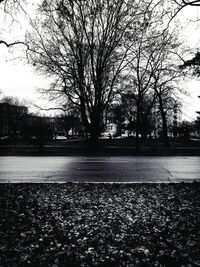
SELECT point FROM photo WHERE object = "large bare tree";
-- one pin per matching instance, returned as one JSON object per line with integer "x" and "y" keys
{"x": 81, "y": 45}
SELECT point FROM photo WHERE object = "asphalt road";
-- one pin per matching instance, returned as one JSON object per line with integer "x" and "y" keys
{"x": 99, "y": 169}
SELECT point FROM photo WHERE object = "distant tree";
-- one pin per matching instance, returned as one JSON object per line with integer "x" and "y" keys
{"x": 116, "y": 115}
{"x": 39, "y": 129}
{"x": 165, "y": 85}
{"x": 43, "y": 132}
{"x": 185, "y": 129}
{"x": 119, "y": 117}
{"x": 197, "y": 124}
{"x": 138, "y": 80}
{"x": 129, "y": 104}
{"x": 69, "y": 122}
{"x": 146, "y": 116}
{"x": 193, "y": 64}
{"x": 14, "y": 101}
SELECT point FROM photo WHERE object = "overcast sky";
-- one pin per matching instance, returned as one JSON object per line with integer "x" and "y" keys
{"x": 19, "y": 79}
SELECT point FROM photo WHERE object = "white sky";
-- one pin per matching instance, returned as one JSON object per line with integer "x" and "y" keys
{"x": 19, "y": 79}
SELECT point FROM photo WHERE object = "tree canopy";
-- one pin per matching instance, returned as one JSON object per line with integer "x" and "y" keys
{"x": 81, "y": 45}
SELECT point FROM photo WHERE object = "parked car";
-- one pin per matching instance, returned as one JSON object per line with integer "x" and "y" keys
{"x": 5, "y": 137}
{"x": 61, "y": 137}
{"x": 106, "y": 135}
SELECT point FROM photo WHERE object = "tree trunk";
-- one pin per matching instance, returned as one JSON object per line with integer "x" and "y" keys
{"x": 138, "y": 128}
{"x": 94, "y": 137}
{"x": 164, "y": 124}
{"x": 94, "y": 132}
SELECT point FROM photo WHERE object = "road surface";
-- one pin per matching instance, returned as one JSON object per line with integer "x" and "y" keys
{"x": 99, "y": 169}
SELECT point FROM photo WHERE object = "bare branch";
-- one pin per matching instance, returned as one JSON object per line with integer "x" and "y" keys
{"x": 52, "y": 108}
{"x": 191, "y": 3}
{"x": 13, "y": 43}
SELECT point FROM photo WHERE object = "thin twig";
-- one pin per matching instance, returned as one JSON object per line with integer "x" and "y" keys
{"x": 55, "y": 108}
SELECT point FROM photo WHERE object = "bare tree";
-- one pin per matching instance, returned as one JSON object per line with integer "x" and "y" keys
{"x": 139, "y": 78}
{"x": 166, "y": 76}
{"x": 152, "y": 64}
{"x": 14, "y": 101}
{"x": 79, "y": 44}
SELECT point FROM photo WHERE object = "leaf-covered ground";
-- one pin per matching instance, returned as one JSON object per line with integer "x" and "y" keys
{"x": 100, "y": 225}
